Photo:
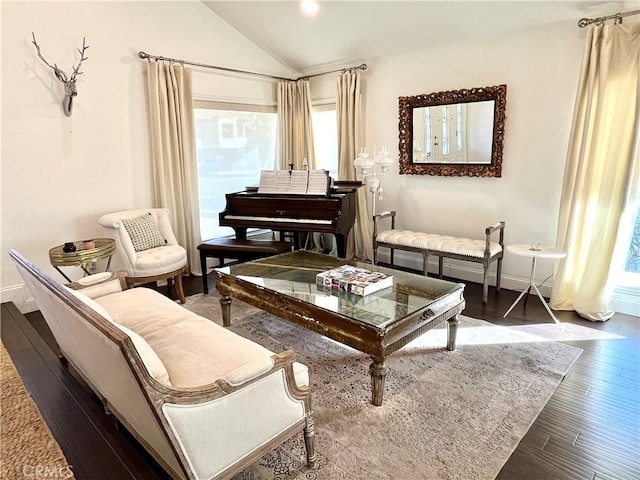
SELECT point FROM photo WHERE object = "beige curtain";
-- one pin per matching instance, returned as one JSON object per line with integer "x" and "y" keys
{"x": 348, "y": 110}
{"x": 295, "y": 135}
{"x": 601, "y": 170}
{"x": 173, "y": 152}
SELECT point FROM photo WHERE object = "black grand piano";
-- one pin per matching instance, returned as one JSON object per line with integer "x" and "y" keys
{"x": 334, "y": 213}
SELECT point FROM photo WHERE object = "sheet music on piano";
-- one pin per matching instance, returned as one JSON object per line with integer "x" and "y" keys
{"x": 299, "y": 181}
{"x": 319, "y": 182}
{"x": 302, "y": 182}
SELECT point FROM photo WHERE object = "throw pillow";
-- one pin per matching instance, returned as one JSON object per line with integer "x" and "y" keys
{"x": 144, "y": 232}
{"x": 89, "y": 302}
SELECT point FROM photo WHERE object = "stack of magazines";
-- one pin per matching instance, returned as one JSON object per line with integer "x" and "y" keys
{"x": 359, "y": 281}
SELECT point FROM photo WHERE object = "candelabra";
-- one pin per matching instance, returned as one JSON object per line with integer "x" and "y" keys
{"x": 370, "y": 168}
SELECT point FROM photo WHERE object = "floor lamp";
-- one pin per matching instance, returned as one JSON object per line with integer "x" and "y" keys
{"x": 370, "y": 168}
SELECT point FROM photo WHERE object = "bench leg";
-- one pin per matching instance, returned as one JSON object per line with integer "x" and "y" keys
{"x": 203, "y": 267}
{"x": 440, "y": 262}
{"x": 425, "y": 263}
{"x": 485, "y": 285}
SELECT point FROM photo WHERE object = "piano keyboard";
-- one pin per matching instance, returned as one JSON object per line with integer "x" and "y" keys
{"x": 315, "y": 221}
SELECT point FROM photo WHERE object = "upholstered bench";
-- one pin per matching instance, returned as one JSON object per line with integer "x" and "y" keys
{"x": 237, "y": 249}
{"x": 480, "y": 251}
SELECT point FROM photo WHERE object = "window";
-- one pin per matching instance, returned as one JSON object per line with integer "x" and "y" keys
{"x": 428, "y": 151}
{"x": 630, "y": 243}
{"x": 626, "y": 296}
{"x": 233, "y": 143}
{"x": 632, "y": 263}
{"x": 325, "y": 138}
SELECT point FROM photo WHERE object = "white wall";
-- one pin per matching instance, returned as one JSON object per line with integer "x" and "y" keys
{"x": 540, "y": 68}
{"x": 59, "y": 174}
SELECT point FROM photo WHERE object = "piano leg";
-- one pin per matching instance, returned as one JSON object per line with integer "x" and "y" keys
{"x": 341, "y": 244}
{"x": 241, "y": 233}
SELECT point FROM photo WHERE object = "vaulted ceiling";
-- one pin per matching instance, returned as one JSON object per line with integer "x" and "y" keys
{"x": 349, "y": 31}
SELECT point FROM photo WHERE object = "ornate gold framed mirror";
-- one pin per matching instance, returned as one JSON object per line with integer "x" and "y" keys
{"x": 453, "y": 133}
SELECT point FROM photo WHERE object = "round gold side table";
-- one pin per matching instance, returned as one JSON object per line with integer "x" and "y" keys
{"x": 104, "y": 248}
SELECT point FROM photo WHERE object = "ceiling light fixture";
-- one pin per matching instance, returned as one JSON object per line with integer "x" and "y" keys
{"x": 309, "y": 7}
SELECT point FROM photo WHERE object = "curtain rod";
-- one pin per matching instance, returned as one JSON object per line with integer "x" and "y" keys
{"x": 583, "y": 22}
{"x": 147, "y": 56}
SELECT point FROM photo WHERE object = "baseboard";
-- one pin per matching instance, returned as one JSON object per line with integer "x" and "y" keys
{"x": 626, "y": 300}
{"x": 20, "y": 296}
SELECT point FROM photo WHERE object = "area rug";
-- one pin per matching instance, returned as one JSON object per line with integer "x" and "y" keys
{"x": 445, "y": 415}
{"x": 27, "y": 447}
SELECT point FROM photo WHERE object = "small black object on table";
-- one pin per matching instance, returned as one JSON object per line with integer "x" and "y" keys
{"x": 238, "y": 249}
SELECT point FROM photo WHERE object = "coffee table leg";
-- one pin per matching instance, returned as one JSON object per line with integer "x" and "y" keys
{"x": 452, "y": 330}
{"x": 378, "y": 371}
{"x": 225, "y": 303}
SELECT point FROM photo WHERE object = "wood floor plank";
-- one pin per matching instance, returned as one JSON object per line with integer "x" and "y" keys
{"x": 610, "y": 449}
{"x": 597, "y": 460}
{"x": 528, "y": 464}
{"x": 604, "y": 379}
{"x": 631, "y": 373}
{"x": 626, "y": 390}
{"x": 12, "y": 337}
{"x": 587, "y": 441}
{"x": 624, "y": 362}
{"x": 576, "y": 413}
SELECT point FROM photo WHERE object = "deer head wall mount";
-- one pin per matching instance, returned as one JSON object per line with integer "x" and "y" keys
{"x": 69, "y": 83}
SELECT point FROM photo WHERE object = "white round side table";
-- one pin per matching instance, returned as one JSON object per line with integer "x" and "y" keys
{"x": 534, "y": 250}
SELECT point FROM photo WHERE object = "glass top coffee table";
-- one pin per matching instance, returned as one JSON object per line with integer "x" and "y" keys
{"x": 377, "y": 324}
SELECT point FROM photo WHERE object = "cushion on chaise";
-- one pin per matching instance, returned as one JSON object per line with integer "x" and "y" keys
{"x": 195, "y": 350}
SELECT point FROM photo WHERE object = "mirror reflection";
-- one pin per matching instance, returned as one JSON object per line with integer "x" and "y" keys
{"x": 457, "y": 133}
{"x": 453, "y": 133}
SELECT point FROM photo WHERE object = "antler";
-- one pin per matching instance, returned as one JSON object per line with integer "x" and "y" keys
{"x": 59, "y": 73}
{"x": 75, "y": 73}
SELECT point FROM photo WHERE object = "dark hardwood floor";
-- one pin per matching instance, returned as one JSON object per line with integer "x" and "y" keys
{"x": 590, "y": 428}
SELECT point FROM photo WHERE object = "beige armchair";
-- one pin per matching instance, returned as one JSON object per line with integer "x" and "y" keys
{"x": 146, "y": 246}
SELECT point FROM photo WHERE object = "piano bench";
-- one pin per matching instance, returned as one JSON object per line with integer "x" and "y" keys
{"x": 241, "y": 250}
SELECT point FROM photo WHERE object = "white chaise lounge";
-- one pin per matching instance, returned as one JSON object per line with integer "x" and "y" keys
{"x": 202, "y": 400}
